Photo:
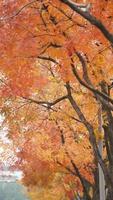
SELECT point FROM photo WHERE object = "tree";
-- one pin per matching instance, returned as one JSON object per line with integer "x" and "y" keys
{"x": 56, "y": 59}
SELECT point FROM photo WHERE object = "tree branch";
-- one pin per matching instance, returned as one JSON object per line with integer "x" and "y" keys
{"x": 88, "y": 81}
{"x": 46, "y": 104}
{"x": 91, "y": 134}
{"x": 95, "y": 91}
{"x": 48, "y": 58}
{"x": 92, "y": 19}
{"x": 81, "y": 179}
{"x": 77, "y": 174}
{"x": 84, "y": 67}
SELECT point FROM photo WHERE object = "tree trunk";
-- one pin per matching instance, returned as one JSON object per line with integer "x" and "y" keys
{"x": 96, "y": 185}
{"x": 108, "y": 138}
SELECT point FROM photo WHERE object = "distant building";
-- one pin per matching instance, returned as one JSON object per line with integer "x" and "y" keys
{"x": 10, "y": 176}
{"x": 5, "y": 176}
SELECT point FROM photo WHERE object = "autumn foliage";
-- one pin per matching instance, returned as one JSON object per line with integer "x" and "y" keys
{"x": 56, "y": 67}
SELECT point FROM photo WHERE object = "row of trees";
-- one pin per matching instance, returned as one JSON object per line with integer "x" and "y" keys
{"x": 56, "y": 69}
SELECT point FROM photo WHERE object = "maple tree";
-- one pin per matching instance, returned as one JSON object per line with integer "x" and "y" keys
{"x": 56, "y": 70}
